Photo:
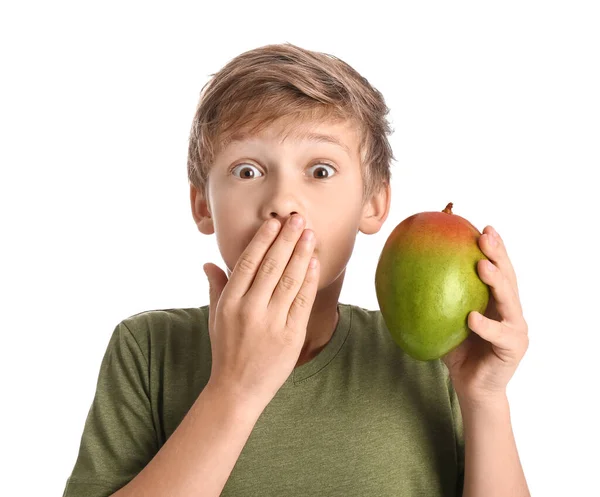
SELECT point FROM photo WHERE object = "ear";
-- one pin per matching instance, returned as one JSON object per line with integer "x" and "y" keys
{"x": 376, "y": 210}
{"x": 201, "y": 211}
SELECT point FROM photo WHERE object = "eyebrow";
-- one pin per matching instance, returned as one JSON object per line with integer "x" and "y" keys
{"x": 309, "y": 136}
{"x": 320, "y": 138}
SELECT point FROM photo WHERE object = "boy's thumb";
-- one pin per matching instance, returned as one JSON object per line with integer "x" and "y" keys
{"x": 217, "y": 280}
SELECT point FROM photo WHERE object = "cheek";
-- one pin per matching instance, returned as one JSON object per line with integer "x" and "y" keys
{"x": 334, "y": 249}
{"x": 231, "y": 240}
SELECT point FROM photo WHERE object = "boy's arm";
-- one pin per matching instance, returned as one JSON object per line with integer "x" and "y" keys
{"x": 492, "y": 465}
{"x": 197, "y": 459}
{"x": 480, "y": 369}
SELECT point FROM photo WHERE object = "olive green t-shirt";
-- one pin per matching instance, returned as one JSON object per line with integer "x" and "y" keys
{"x": 361, "y": 418}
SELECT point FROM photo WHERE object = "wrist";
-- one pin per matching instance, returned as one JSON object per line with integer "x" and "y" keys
{"x": 489, "y": 402}
{"x": 234, "y": 401}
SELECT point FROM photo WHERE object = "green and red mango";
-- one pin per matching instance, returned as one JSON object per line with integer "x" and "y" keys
{"x": 427, "y": 283}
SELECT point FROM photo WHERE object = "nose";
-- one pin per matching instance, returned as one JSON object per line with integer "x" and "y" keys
{"x": 283, "y": 219}
{"x": 283, "y": 198}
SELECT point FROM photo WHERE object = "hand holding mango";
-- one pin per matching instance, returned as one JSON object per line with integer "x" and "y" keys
{"x": 427, "y": 282}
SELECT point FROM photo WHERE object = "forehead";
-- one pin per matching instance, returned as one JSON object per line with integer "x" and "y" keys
{"x": 342, "y": 134}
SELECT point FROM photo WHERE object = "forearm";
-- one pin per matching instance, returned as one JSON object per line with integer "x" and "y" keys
{"x": 492, "y": 465}
{"x": 197, "y": 459}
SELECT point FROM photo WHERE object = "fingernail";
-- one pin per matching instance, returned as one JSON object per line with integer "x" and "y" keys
{"x": 296, "y": 221}
{"x": 490, "y": 266}
{"x": 307, "y": 235}
{"x": 274, "y": 225}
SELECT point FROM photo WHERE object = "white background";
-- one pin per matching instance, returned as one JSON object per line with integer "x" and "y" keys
{"x": 495, "y": 106}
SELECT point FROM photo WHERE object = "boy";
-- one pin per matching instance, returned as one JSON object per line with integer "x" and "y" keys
{"x": 275, "y": 388}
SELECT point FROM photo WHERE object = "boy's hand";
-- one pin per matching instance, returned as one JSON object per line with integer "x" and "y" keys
{"x": 481, "y": 366}
{"x": 258, "y": 318}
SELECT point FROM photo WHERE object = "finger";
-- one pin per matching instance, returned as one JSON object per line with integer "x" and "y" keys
{"x": 507, "y": 301}
{"x": 294, "y": 274}
{"x": 498, "y": 254}
{"x": 275, "y": 261}
{"x": 299, "y": 312}
{"x": 507, "y": 343}
{"x": 246, "y": 267}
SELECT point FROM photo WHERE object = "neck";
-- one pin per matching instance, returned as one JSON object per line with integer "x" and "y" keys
{"x": 323, "y": 320}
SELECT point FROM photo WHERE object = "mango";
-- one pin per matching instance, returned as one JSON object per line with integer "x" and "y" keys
{"x": 427, "y": 283}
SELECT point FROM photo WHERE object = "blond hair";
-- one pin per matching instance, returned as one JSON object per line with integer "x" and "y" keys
{"x": 278, "y": 81}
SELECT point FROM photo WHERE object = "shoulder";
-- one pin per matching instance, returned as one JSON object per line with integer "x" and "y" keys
{"x": 174, "y": 318}
{"x": 174, "y": 328}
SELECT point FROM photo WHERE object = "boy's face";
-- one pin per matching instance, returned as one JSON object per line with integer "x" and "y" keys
{"x": 264, "y": 176}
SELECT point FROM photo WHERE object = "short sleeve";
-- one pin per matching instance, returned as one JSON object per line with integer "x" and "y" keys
{"x": 457, "y": 422}
{"x": 119, "y": 438}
